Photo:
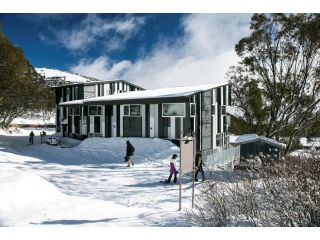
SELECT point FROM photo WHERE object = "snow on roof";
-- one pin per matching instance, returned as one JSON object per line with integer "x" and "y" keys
{"x": 247, "y": 138}
{"x": 147, "y": 94}
{"x": 69, "y": 77}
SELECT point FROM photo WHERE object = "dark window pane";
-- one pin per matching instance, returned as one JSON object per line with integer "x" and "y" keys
{"x": 92, "y": 110}
{"x": 126, "y": 110}
{"x": 223, "y": 110}
{"x": 213, "y": 110}
{"x": 173, "y": 109}
{"x": 97, "y": 124}
{"x": 193, "y": 109}
{"x": 135, "y": 110}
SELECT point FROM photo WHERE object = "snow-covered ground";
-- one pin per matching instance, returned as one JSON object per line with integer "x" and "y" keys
{"x": 88, "y": 184}
{"x": 36, "y": 119}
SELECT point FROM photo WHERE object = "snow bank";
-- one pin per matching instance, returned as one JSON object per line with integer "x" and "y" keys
{"x": 146, "y": 149}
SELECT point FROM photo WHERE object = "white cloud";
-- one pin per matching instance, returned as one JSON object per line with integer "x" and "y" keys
{"x": 202, "y": 55}
{"x": 93, "y": 28}
{"x": 101, "y": 68}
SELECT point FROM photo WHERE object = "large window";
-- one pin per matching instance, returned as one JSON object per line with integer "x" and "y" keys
{"x": 94, "y": 110}
{"x": 173, "y": 109}
{"x": 97, "y": 125}
{"x": 132, "y": 110}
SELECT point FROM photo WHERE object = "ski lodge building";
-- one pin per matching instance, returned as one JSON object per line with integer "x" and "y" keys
{"x": 121, "y": 109}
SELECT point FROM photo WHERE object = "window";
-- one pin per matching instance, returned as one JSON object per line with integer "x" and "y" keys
{"x": 74, "y": 111}
{"x": 76, "y": 91}
{"x": 97, "y": 125}
{"x": 218, "y": 140}
{"x": 213, "y": 110}
{"x": 126, "y": 110}
{"x": 132, "y": 110}
{"x": 173, "y": 110}
{"x": 94, "y": 110}
{"x": 85, "y": 111}
{"x": 192, "y": 109}
{"x": 224, "y": 97}
{"x": 135, "y": 110}
{"x": 68, "y": 94}
{"x": 100, "y": 90}
{"x": 223, "y": 110}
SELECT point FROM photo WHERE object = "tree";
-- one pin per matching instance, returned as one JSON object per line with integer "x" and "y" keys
{"x": 21, "y": 88}
{"x": 280, "y": 60}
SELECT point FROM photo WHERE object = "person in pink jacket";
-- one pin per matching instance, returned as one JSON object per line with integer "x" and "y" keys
{"x": 173, "y": 170}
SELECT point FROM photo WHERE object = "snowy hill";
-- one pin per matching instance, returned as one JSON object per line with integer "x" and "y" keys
{"x": 69, "y": 77}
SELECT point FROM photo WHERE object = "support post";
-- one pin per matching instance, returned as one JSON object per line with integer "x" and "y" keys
{"x": 194, "y": 171}
{"x": 180, "y": 174}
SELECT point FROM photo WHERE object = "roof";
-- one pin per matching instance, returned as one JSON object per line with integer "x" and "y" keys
{"x": 248, "y": 138}
{"x": 172, "y": 92}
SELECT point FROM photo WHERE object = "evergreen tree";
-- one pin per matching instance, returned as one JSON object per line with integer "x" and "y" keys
{"x": 22, "y": 89}
{"x": 280, "y": 63}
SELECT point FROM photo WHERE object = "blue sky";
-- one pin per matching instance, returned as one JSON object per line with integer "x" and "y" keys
{"x": 152, "y": 50}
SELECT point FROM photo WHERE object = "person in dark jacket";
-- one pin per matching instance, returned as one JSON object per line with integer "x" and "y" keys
{"x": 129, "y": 154}
{"x": 42, "y": 136}
{"x": 31, "y": 135}
{"x": 199, "y": 166}
{"x": 173, "y": 170}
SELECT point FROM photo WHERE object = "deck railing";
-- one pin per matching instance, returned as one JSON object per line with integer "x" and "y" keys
{"x": 225, "y": 157}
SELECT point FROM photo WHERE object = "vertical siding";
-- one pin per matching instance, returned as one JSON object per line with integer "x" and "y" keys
{"x": 206, "y": 120}
{"x": 177, "y": 127}
{"x": 147, "y": 115}
{"x": 118, "y": 120}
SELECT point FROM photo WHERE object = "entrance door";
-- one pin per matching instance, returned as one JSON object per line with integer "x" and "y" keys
{"x": 132, "y": 126}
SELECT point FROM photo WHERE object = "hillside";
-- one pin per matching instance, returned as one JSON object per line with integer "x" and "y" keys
{"x": 69, "y": 77}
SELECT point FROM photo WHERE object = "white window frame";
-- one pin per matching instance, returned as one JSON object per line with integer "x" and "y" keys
{"x": 129, "y": 105}
{"x": 184, "y": 110}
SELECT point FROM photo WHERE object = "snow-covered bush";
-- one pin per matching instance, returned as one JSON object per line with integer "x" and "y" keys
{"x": 283, "y": 194}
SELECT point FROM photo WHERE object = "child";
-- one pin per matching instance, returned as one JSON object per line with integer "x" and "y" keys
{"x": 173, "y": 170}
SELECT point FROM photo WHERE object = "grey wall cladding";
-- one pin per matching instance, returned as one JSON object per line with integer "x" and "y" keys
{"x": 206, "y": 120}
{"x": 89, "y": 91}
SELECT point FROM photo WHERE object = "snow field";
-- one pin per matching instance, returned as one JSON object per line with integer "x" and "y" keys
{"x": 88, "y": 184}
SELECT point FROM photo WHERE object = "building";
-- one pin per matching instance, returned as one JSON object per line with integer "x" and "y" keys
{"x": 254, "y": 145}
{"x": 121, "y": 109}
{"x": 70, "y": 121}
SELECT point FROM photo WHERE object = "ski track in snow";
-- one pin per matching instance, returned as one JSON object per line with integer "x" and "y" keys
{"x": 91, "y": 174}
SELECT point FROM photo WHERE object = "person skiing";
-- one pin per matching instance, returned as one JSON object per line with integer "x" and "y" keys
{"x": 199, "y": 166}
{"x": 173, "y": 170}
{"x": 129, "y": 154}
{"x": 31, "y": 135}
{"x": 42, "y": 136}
